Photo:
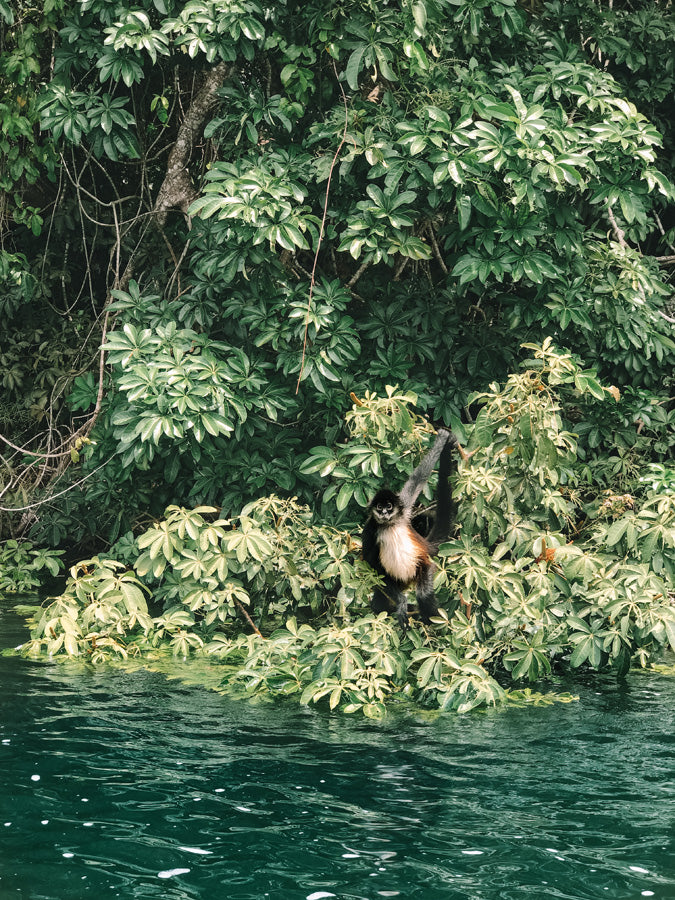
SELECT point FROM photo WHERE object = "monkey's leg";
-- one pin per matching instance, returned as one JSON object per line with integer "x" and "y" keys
{"x": 380, "y": 601}
{"x": 426, "y": 599}
{"x": 391, "y": 598}
{"x": 401, "y": 608}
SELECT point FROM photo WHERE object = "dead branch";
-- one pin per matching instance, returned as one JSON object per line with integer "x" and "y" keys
{"x": 244, "y": 612}
{"x": 359, "y": 272}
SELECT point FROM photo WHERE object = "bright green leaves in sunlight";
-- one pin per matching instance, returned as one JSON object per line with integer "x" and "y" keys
{"x": 379, "y": 229}
{"x": 217, "y": 30}
{"x": 135, "y": 32}
{"x": 266, "y": 206}
{"x": 101, "y": 606}
{"x": 203, "y": 571}
{"x": 385, "y": 444}
{"x": 178, "y": 386}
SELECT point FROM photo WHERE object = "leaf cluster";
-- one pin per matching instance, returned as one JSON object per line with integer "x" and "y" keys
{"x": 23, "y": 567}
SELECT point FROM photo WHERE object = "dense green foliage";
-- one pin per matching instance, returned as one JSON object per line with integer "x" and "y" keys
{"x": 258, "y": 209}
{"x": 498, "y": 180}
{"x": 550, "y": 574}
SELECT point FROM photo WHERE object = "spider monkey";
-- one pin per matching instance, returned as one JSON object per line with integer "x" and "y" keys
{"x": 396, "y": 550}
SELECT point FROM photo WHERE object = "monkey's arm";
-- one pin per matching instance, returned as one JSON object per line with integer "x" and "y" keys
{"x": 413, "y": 486}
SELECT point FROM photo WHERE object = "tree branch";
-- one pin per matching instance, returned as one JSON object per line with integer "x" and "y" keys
{"x": 620, "y": 234}
{"x": 434, "y": 245}
{"x": 359, "y": 272}
{"x": 177, "y": 190}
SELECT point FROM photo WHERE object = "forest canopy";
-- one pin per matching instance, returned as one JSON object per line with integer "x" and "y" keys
{"x": 252, "y": 254}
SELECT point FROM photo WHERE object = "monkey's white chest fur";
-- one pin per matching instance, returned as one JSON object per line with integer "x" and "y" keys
{"x": 399, "y": 554}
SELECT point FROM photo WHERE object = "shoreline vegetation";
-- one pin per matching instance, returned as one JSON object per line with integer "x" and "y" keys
{"x": 254, "y": 255}
{"x": 544, "y": 575}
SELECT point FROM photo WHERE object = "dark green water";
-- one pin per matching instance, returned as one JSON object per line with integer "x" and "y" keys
{"x": 118, "y": 785}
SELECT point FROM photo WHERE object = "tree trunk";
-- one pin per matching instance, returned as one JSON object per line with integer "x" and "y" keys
{"x": 177, "y": 190}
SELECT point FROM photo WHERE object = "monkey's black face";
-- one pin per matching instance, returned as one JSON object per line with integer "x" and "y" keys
{"x": 385, "y": 507}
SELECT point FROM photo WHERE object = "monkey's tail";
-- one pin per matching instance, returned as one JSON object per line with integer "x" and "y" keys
{"x": 445, "y": 508}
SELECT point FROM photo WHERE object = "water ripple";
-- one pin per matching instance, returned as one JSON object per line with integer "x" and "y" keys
{"x": 119, "y": 785}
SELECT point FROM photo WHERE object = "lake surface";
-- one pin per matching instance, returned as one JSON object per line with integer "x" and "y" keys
{"x": 130, "y": 785}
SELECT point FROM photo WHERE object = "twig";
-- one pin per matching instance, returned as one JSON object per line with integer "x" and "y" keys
{"x": 400, "y": 267}
{"x": 26, "y": 452}
{"x": 54, "y": 496}
{"x": 243, "y": 609}
{"x": 321, "y": 229}
{"x": 663, "y": 233}
{"x": 101, "y": 373}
